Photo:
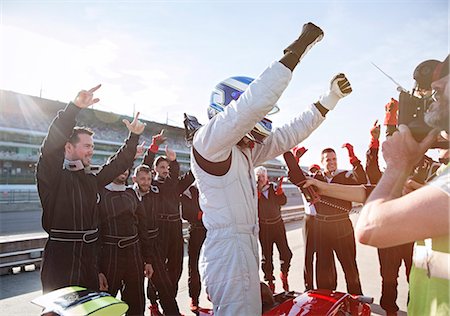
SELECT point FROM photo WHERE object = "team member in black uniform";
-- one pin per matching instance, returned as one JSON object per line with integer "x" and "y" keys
{"x": 160, "y": 279}
{"x": 271, "y": 228}
{"x": 334, "y": 229}
{"x": 69, "y": 192}
{"x": 170, "y": 186}
{"x": 124, "y": 256}
{"x": 390, "y": 258}
{"x": 197, "y": 233}
{"x": 161, "y": 286}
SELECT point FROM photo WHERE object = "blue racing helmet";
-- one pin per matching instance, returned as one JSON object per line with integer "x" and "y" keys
{"x": 231, "y": 89}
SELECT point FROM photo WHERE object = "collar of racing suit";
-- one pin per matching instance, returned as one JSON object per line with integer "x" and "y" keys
{"x": 77, "y": 165}
{"x": 115, "y": 187}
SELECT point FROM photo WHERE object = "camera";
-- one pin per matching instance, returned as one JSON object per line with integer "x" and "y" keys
{"x": 411, "y": 112}
{"x": 411, "y": 109}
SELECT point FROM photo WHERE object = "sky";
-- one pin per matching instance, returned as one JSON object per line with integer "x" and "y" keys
{"x": 163, "y": 58}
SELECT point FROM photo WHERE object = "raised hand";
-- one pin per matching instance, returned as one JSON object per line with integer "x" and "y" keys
{"x": 85, "y": 98}
{"x": 299, "y": 151}
{"x": 349, "y": 148}
{"x": 159, "y": 138}
{"x": 375, "y": 130}
{"x": 170, "y": 154}
{"x": 340, "y": 87}
{"x": 136, "y": 127}
{"x": 279, "y": 190}
{"x": 140, "y": 149}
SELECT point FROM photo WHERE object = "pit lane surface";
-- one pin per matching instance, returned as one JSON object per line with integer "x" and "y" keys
{"x": 16, "y": 291}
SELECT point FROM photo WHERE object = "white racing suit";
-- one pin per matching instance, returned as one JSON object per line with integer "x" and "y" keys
{"x": 229, "y": 260}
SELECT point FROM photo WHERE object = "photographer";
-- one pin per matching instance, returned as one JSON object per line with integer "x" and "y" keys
{"x": 389, "y": 219}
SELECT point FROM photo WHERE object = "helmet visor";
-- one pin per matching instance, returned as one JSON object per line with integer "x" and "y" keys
{"x": 261, "y": 130}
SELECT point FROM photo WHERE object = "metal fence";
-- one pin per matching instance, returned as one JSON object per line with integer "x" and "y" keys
{"x": 18, "y": 196}
{"x": 19, "y": 252}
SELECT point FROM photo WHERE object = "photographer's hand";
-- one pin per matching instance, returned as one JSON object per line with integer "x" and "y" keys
{"x": 410, "y": 186}
{"x": 402, "y": 152}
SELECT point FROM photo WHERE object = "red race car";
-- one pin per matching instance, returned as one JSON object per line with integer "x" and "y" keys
{"x": 315, "y": 302}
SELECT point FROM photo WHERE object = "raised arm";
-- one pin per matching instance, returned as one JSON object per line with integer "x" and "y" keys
{"x": 214, "y": 140}
{"x": 358, "y": 171}
{"x": 280, "y": 197}
{"x": 372, "y": 168}
{"x": 150, "y": 154}
{"x": 51, "y": 159}
{"x": 293, "y": 133}
{"x": 124, "y": 157}
{"x": 174, "y": 168}
{"x": 185, "y": 181}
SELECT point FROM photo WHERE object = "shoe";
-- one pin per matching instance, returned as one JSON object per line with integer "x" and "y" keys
{"x": 154, "y": 310}
{"x": 194, "y": 305}
{"x": 284, "y": 280}
{"x": 311, "y": 34}
{"x": 271, "y": 286}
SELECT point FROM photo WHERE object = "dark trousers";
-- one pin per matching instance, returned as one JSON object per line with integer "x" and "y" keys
{"x": 124, "y": 270}
{"x": 160, "y": 286}
{"x": 337, "y": 237}
{"x": 270, "y": 234}
{"x": 310, "y": 240}
{"x": 69, "y": 263}
{"x": 390, "y": 261}
{"x": 172, "y": 248}
{"x": 196, "y": 237}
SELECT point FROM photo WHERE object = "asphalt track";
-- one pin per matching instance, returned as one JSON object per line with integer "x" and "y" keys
{"x": 16, "y": 291}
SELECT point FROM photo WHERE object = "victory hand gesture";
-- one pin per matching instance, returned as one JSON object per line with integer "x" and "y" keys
{"x": 85, "y": 98}
{"x": 136, "y": 127}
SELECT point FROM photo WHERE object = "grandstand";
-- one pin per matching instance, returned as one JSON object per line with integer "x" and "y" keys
{"x": 24, "y": 121}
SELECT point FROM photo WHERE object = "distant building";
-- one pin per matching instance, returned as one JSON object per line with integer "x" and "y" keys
{"x": 24, "y": 121}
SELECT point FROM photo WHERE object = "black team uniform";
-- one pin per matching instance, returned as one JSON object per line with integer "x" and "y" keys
{"x": 170, "y": 238}
{"x": 390, "y": 258}
{"x": 161, "y": 286}
{"x": 69, "y": 197}
{"x": 334, "y": 234}
{"x": 197, "y": 233}
{"x": 124, "y": 245}
{"x": 160, "y": 278}
{"x": 272, "y": 231}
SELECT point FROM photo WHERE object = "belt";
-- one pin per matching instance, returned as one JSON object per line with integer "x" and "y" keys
{"x": 153, "y": 233}
{"x": 232, "y": 230}
{"x": 120, "y": 241}
{"x": 331, "y": 218}
{"x": 86, "y": 236}
{"x": 270, "y": 220}
{"x": 169, "y": 217}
